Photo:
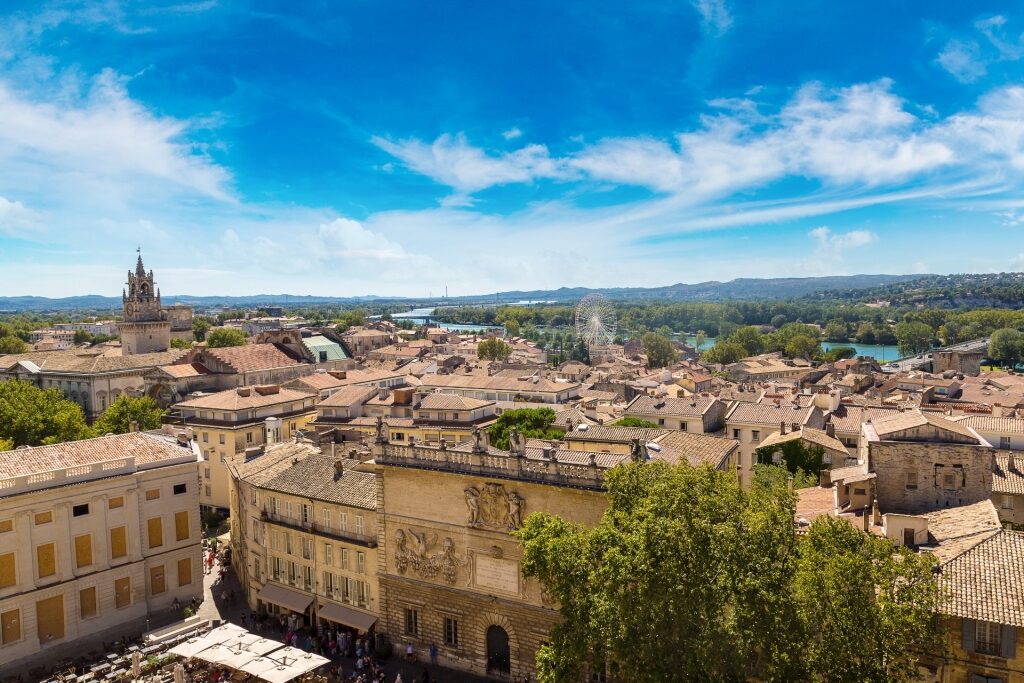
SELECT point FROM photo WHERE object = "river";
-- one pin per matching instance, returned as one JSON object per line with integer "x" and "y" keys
{"x": 879, "y": 352}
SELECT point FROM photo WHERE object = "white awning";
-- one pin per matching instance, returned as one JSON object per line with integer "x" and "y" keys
{"x": 292, "y": 663}
{"x": 258, "y": 665}
{"x": 289, "y": 598}
{"x": 340, "y": 614}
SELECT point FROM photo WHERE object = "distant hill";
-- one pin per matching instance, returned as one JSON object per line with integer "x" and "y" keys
{"x": 998, "y": 290}
{"x": 747, "y": 289}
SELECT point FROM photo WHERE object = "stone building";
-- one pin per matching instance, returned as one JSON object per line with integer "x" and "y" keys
{"x": 963, "y": 362}
{"x": 451, "y": 572}
{"x": 148, "y": 326}
{"x": 95, "y": 537}
{"x": 698, "y": 414}
{"x": 304, "y": 535}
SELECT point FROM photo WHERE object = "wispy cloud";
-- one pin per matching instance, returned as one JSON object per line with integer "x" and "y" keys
{"x": 963, "y": 60}
{"x": 715, "y": 17}
{"x": 512, "y": 133}
{"x": 968, "y": 57}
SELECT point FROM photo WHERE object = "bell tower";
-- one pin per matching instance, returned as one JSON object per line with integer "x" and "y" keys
{"x": 145, "y": 327}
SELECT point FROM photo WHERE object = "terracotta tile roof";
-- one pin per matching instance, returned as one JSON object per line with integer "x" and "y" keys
{"x": 348, "y": 396}
{"x": 1006, "y": 479}
{"x": 696, "y": 449}
{"x": 609, "y": 434}
{"x": 313, "y": 476}
{"x": 253, "y": 357}
{"x": 957, "y": 529}
{"x": 808, "y": 434}
{"x": 146, "y": 447}
{"x": 674, "y": 407}
{"x": 184, "y": 370}
{"x": 766, "y": 414}
{"x": 439, "y": 401}
{"x": 242, "y": 398}
{"x": 496, "y": 383}
{"x": 90, "y": 360}
{"x": 988, "y": 423}
{"x": 986, "y": 582}
{"x": 915, "y": 418}
{"x": 848, "y": 418}
{"x": 317, "y": 381}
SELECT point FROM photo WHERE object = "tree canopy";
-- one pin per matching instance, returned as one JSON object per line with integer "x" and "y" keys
{"x": 225, "y": 336}
{"x": 1006, "y": 345}
{"x": 11, "y": 344}
{"x": 659, "y": 349}
{"x": 119, "y": 415}
{"x": 493, "y": 348}
{"x": 30, "y": 416}
{"x": 913, "y": 337}
{"x": 688, "y": 576}
{"x": 635, "y": 422}
{"x": 533, "y": 423}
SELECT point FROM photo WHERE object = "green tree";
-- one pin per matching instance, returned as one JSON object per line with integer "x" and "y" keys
{"x": 750, "y": 338}
{"x": 913, "y": 337}
{"x": 532, "y": 423}
{"x": 725, "y": 352}
{"x": 225, "y": 336}
{"x": 865, "y": 333}
{"x": 493, "y": 348}
{"x": 801, "y": 346}
{"x": 660, "y": 351}
{"x": 512, "y": 328}
{"x": 30, "y": 416}
{"x": 778, "y": 321}
{"x": 635, "y": 422}
{"x": 699, "y": 339}
{"x": 795, "y": 455}
{"x": 12, "y": 344}
{"x": 200, "y": 326}
{"x": 82, "y": 337}
{"x": 119, "y": 415}
{"x": 1006, "y": 346}
{"x": 6, "y": 445}
{"x": 351, "y": 318}
{"x": 836, "y": 331}
{"x": 181, "y": 344}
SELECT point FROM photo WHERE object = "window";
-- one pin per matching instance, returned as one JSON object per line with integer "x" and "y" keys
{"x": 185, "y": 572}
{"x": 181, "y": 531}
{"x": 255, "y": 531}
{"x": 1007, "y": 502}
{"x": 157, "y": 585}
{"x": 83, "y": 550}
{"x": 206, "y": 437}
{"x": 114, "y": 503}
{"x": 361, "y": 562}
{"x": 326, "y": 516}
{"x": 208, "y": 493}
{"x": 909, "y": 538}
{"x": 307, "y": 548}
{"x": 180, "y": 489}
{"x": 152, "y": 494}
{"x": 307, "y": 514}
{"x": 155, "y": 532}
{"x": 344, "y": 558}
{"x": 288, "y": 544}
{"x": 328, "y": 555}
{"x": 288, "y": 509}
{"x": 755, "y": 435}
{"x": 118, "y": 542}
{"x": 87, "y": 602}
{"x": 256, "y": 570}
{"x": 1004, "y": 442}
{"x": 451, "y": 632}
{"x": 10, "y": 626}
{"x": 683, "y": 427}
{"x": 412, "y": 621}
{"x": 273, "y": 505}
{"x": 911, "y": 482}
{"x": 359, "y": 524}
{"x": 736, "y": 434}
{"x": 344, "y": 521}
{"x": 221, "y": 439}
{"x": 248, "y": 437}
{"x": 80, "y": 510}
{"x": 6, "y": 525}
{"x": 329, "y": 583}
{"x": 44, "y": 517}
{"x": 307, "y": 577}
{"x": 987, "y": 638}
{"x": 8, "y": 570}
{"x": 50, "y": 619}
{"x": 948, "y": 481}
{"x": 206, "y": 474}
{"x": 122, "y": 592}
{"x": 46, "y": 560}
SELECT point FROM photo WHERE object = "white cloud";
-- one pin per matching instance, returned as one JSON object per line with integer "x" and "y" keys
{"x": 968, "y": 58}
{"x": 830, "y": 242}
{"x": 17, "y": 219}
{"x": 512, "y": 133}
{"x": 963, "y": 60}
{"x": 715, "y": 18}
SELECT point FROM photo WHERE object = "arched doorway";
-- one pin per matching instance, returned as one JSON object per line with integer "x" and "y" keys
{"x": 498, "y": 659}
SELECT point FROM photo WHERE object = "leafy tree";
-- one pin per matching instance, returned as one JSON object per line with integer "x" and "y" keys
{"x": 836, "y": 331}
{"x": 777, "y": 321}
{"x": 533, "y": 423}
{"x": 1006, "y": 346}
{"x": 838, "y": 353}
{"x": 30, "y": 416}
{"x": 750, "y": 338}
{"x": 699, "y": 339}
{"x": 181, "y": 344}
{"x": 82, "y": 337}
{"x": 351, "y": 318}
{"x": 688, "y": 576}
{"x": 6, "y": 445}
{"x": 725, "y": 352}
{"x": 200, "y": 326}
{"x": 119, "y": 415}
{"x": 635, "y": 422}
{"x": 802, "y": 346}
{"x": 225, "y": 336}
{"x": 493, "y": 348}
{"x": 12, "y": 344}
{"x": 660, "y": 351}
{"x": 913, "y": 337}
{"x": 796, "y": 456}
{"x": 512, "y": 328}
{"x": 865, "y": 333}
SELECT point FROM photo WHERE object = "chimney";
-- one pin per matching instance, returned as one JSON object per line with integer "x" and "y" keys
{"x": 830, "y": 429}
{"x": 133, "y": 426}
{"x": 339, "y": 468}
{"x": 782, "y": 428}
{"x": 866, "y": 518}
{"x": 243, "y": 391}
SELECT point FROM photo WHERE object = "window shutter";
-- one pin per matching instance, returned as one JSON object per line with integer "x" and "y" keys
{"x": 1009, "y": 641}
{"x": 967, "y": 641}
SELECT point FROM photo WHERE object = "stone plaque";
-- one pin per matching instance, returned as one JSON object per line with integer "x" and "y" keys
{"x": 496, "y": 574}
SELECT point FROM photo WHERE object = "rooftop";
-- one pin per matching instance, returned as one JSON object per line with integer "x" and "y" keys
{"x": 695, "y": 406}
{"x": 986, "y": 582}
{"x": 81, "y": 361}
{"x": 252, "y": 357}
{"x": 303, "y": 470}
{"x": 244, "y": 398}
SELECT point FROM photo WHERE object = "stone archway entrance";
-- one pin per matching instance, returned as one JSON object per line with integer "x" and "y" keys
{"x": 498, "y": 657}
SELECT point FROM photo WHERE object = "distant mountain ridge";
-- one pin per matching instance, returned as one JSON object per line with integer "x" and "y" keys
{"x": 738, "y": 289}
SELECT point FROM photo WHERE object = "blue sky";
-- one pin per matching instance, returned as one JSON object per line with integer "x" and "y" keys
{"x": 374, "y": 147}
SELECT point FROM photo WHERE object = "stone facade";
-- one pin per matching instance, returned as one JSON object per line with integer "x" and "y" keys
{"x": 148, "y": 326}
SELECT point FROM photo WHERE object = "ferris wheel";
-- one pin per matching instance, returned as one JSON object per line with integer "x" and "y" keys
{"x": 595, "y": 320}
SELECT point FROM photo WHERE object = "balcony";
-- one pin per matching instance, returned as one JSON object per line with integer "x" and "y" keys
{"x": 364, "y": 540}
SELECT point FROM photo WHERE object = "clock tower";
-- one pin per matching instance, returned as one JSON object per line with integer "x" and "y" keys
{"x": 145, "y": 328}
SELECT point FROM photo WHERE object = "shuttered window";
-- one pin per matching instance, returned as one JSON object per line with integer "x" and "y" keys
{"x": 155, "y": 530}
{"x": 83, "y": 550}
{"x": 157, "y": 585}
{"x": 87, "y": 602}
{"x": 118, "y": 542}
{"x": 50, "y": 619}
{"x": 46, "y": 560}
{"x": 117, "y": 502}
{"x": 10, "y": 626}
{"x": 123, "y": 592}
{"x": 181, "y": 526}
{"x": 44, "y": 517}
{"x": 8, "y": 570}
{"x": 184, "y": 572}
{"x": 6, "y": 525}
{"x": 152, "y": 494}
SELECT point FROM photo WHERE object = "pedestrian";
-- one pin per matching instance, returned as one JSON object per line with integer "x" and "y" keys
{"x": 425, "y": 678}
{"x": 410, "y": 653}
{"x": 398, "y": 679}
{"x": 433, "y": 654}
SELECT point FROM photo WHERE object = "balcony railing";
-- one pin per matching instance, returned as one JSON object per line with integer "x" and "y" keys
{"x": 365, "y": 540}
